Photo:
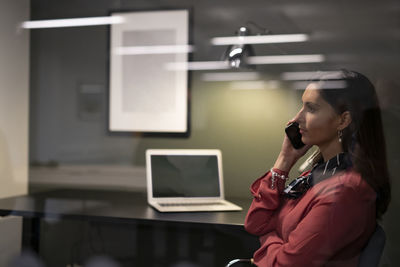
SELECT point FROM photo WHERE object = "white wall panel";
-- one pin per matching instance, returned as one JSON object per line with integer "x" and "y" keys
{"x": 14, "y": 98}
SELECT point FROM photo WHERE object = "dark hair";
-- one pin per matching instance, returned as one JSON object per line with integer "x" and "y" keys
{"x": 363, "y": 139}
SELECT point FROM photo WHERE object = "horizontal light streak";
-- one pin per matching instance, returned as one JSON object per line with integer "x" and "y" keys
{"x": 199, "y": 65}
{"x": 321, "y": 85}
{"x": 260, "y": 39}
{"x": 257, "y": 60}
{"x": 286, "y": 59}
{"x": 308, "y": 75}
{"x": 230, "y": 76}
{"x": 254, "y": 85}
{"x": 73, "y": 22}
{"x": 153, "y": 49}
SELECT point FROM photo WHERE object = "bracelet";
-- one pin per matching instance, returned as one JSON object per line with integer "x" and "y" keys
{"x": 273, "y": 178}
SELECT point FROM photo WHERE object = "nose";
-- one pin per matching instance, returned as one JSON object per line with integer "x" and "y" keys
{"x": 299, "y": 116}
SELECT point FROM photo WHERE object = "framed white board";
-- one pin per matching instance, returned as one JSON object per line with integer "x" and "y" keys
{"x": 146, "y": 95}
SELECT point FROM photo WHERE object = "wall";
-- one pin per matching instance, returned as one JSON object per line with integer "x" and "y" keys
{"x": 243, "y": 123}
{"x": 14, "y": 98}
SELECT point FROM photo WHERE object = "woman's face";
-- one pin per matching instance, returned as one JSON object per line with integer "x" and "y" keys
{"x": 317, "y": 119}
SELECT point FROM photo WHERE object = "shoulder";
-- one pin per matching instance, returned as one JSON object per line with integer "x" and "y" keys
{"x": 349, "y": 184}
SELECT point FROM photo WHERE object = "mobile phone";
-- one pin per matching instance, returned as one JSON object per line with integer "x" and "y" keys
{"x": 294, "y": 135}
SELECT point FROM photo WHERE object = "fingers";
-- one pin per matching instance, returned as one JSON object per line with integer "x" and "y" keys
{"x": 291, "y": 121}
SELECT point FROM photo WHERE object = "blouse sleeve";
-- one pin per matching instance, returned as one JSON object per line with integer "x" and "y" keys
{"x": 266, "y": 200}
{"x": 331, "y": 224}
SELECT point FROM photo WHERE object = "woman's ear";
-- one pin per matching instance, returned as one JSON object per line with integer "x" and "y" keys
{"x": 345, "y": 120}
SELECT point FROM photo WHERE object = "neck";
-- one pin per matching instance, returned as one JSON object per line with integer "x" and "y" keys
{"x": 330, "y": 150}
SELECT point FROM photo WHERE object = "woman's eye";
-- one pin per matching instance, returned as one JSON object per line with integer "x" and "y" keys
{"x": 311, "y": 108}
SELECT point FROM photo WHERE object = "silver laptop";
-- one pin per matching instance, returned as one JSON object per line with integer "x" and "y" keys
{"x": 181, "y": 180}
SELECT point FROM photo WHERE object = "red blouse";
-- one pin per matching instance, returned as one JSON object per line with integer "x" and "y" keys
{"x": 327, "y": 226}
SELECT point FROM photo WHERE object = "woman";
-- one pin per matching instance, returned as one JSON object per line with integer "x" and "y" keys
{"x": 326, "y": 216}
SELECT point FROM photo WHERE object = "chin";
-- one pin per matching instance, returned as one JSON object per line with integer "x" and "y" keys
{"x": 306, "y": 141}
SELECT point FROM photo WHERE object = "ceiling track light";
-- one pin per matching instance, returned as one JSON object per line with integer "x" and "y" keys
{"x": 240, "y": 53}
{"x": 236, "y": 54}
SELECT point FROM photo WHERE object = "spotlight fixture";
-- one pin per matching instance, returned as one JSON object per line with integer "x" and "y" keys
{"x": 237, "y": 54}
{"x": 240, "y": 53}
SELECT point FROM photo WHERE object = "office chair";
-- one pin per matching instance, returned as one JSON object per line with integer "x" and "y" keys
{"x": 370, "y": 255}
{"x": 248, "y": 262}
{"x": 372, "y": 252}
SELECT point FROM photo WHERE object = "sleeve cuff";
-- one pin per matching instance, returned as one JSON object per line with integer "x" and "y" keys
{"x": 280, "y": 172}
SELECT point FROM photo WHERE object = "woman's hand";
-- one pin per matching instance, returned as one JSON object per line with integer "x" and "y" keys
{"x": 289, "y": 155}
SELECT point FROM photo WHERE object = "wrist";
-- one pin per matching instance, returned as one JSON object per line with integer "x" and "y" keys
{"x": 277, "y": 175}
{"x": 283, "y": 163}
{"x": 279, "y": 172}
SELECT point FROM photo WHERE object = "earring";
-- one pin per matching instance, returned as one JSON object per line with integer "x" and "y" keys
{"x": 340, "y": 135}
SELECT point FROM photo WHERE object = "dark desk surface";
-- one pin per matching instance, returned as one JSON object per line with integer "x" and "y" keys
{"x": 110, "y": 205}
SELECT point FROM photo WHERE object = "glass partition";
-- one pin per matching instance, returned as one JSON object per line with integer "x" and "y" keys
{"x": 248, "y": 66}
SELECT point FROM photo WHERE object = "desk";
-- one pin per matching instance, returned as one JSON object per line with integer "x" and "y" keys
{"x": 53, "y": 212}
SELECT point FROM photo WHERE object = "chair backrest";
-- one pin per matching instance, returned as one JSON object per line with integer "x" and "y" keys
{"x": 371, "y": 254}
{"x": 248, "y": 262}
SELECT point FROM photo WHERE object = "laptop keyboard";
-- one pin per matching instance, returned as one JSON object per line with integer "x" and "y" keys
{"x": 172, "y": 204}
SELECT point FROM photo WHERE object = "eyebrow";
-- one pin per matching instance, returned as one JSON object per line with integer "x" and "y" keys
{"x": 311, "y": 103}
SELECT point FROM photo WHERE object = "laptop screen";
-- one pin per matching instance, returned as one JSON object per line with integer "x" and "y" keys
{"x": 185, "y": 176}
